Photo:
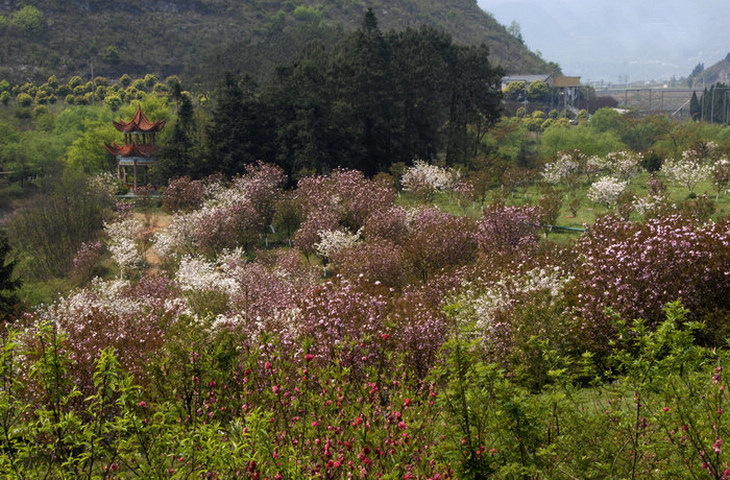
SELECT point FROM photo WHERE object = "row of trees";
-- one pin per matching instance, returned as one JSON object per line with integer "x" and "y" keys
{"x": 712, "y": 105}
{"x": 79, "y": 92}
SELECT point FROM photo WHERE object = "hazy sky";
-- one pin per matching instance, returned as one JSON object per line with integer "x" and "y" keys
{"x": 611, "y": 40}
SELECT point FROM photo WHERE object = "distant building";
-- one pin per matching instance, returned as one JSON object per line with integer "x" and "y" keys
{"x": 137, "y": 153}
{"x": 568, "y": 88}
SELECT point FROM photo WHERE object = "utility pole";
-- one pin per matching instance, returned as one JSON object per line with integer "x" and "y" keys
{"x": 93, "y": 82}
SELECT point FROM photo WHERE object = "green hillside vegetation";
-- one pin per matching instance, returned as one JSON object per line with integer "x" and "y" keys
{"x": 702, "y": 77}
{"x": 199, "y": 40}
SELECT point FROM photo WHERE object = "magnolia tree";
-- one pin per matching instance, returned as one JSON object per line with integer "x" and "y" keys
{"x": 424, "y": 179}
{"x": 230, "y": 215}
{"x": 332, "y": 242}
{"x": 623, "y": 165}
{"x": 565, "y": 169}
{"x": 345, "y": 199}
{"x": 689, "y": 170}
{"x": 606, "y": 190}
{"x": 721, "y": 176}
{"x": 487, "y": 305}
{"x": 122, "y": 243}
{"x": 636, "y": 268}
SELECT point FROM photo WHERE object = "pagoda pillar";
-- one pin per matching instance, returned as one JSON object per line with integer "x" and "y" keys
{"x": 135, "y": 174}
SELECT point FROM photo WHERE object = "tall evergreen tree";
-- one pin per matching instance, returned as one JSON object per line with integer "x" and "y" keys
{"x": 239, "y": 132}
{"x": 364, "y": 88}
{"x": 475, "y": 102}
{"x": 9, "y": 301}
{"x": 180, "y": 156}
{"x": 421, "y": 65}
{"x": 695, "y": 110}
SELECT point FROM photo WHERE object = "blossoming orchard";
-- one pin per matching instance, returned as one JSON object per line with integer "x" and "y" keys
{"x": 340, "y": 326}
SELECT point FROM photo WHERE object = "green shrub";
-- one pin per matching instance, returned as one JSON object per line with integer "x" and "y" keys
{"x": 28, "y": 19}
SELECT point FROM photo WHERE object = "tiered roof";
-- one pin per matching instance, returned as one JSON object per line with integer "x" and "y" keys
{"x": 131, "y": 149}
{"x": 139, "y": 123}
{"x": 138, "y": 126}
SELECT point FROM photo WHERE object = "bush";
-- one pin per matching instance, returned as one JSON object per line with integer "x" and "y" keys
{"x": 24, "y": 100}
{"x": 28, "y": 19}
{"x": 183, "y": 194}
{"x": 51, "y": 227}
{"x": 636, "y": 268}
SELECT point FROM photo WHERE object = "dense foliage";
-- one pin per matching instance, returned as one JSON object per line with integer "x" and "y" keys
{"x": 372, "y": 101}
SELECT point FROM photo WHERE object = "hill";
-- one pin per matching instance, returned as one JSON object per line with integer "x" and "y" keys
{"x": 719, "y": 72}
{"x": 199, "y": 39}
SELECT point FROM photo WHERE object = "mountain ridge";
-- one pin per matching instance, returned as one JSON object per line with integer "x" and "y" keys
{"x": 198, "y": 39}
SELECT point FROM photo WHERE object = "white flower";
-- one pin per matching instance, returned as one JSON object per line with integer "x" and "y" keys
{"x": 563, "y": 168}
{"x": 687, "y": 171}
{"x": 422, "y": 175}
{"x": 623, "y": 165}
{"x": 122, "y": 244}
{"x": 332, "y": 241}
{"x": 644, "y": 205}
{"x": 195, "y": 273}
{"x": 606, "y": 190}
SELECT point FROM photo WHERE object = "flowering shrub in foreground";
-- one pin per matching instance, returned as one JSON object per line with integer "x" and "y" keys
{"x": 445, "y": 347}
{"x": 231, "y": 406}
{"x": 636, "y": 268}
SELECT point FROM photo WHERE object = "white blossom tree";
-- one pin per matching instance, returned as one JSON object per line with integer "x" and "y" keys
{"x": 606, "y": 190}
{"x": 123, "y": 244}
{"x": 425, "y": 179}
{"x": 687, "y": 171}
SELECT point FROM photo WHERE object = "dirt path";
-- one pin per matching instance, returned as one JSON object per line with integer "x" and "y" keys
{"x": 153, "y": 223}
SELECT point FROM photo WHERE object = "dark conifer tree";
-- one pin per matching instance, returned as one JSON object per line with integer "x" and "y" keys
{"x": 180, "y": 156}
{"x": 9, "y": 301}
{"x": 695, "y": 110}
{"x": 475, "y": 101}
{"x": 240, "y": 132}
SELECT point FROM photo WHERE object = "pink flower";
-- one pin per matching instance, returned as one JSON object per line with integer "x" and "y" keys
{"x": 142, "y": 404}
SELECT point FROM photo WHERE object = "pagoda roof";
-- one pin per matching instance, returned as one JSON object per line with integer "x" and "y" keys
{"x": 139, "y": 123}
{"x": 131, "y": 149}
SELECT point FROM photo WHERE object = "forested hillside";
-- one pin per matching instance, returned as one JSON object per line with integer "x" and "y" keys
{"x": 200, "y": 39}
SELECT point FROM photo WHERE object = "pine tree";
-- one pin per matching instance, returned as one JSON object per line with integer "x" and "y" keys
{"x": 695, "y": 110}
{"x": 9, "y": 301}
{"x": 178, "y": 158}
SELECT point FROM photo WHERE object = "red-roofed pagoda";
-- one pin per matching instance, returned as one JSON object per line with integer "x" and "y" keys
{"x": 138, "y": 151}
